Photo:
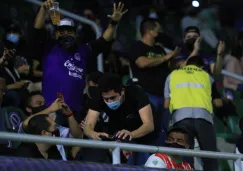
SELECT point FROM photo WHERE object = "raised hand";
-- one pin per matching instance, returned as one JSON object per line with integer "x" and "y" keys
{"x": 48, "y": 4}
{"x": 117, "y": 12}
{"x": 221, "y": 48}
{"x": 197, "y": 44}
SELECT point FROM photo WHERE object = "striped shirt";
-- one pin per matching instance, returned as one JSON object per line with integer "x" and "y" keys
{"x": 160, "y": 160}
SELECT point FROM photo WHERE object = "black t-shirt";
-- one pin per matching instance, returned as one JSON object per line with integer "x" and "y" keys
{"x": 30, "y": 150}
{"x": 152, "y": 79}
{"x": 127, "y": 115}
{"x": 239, "y": 144}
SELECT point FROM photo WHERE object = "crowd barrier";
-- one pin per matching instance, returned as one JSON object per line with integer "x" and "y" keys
{"x": 116, "y": 147}
{"x": 23, "y": 164}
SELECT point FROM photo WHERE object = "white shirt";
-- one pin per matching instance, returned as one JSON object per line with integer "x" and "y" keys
{"x": 237, "y": 167}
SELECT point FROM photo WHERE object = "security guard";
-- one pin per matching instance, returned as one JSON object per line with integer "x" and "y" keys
{"x": 188, "y": 96}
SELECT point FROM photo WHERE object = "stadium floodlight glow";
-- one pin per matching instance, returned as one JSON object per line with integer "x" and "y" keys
{"x": 195, "y": 4}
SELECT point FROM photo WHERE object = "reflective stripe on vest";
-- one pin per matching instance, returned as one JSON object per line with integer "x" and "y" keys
{"x": 190, "y": 87}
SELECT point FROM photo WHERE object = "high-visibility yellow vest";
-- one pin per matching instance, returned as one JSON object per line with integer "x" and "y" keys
{"x": 190, "y": 87}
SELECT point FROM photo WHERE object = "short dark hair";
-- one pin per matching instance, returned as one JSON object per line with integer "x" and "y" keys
{"x": 183, "y": 130}
{"x": 37, "y": 124}
{"x": 14, "y": 28}
{"x": 29, "y": 98}
{"x": 95, "y": 76}
{"x": 195, "y": 60}
{"x": 148, "y": 24}
{"x": 110, "y": 82}
{"x": 191, "y": 29}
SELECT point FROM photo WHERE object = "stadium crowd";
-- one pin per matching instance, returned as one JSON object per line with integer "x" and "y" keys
{"x": 50, "y": 87}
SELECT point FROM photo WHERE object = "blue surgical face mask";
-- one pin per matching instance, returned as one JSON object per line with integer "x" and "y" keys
{"x": 114, "y": 105}
{"x": 13, "y": 38}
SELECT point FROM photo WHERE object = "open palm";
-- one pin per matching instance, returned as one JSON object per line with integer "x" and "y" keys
{"x": 117, "y": 12}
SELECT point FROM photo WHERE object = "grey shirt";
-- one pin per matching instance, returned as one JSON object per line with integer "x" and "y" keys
{"x": 187, "y": 112}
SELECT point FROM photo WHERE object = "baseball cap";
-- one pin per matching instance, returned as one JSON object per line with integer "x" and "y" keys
{"x": 192, "y": 29}
{"x": 65, "y": 23}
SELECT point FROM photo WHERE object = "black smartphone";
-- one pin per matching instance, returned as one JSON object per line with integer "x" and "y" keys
{"x": 109, "y": 138}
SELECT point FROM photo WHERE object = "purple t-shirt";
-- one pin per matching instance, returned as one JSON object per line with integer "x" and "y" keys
{"x": 65, "y": 72}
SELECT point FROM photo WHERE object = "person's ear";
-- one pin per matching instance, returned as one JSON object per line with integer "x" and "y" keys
{"x": 123, "y": 92}
{"x": 29, "y": 110}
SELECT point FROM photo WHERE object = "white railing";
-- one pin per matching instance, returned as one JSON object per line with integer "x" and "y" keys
{"x": 116, "y": 147}
{"x": 232, "y": 75}
{"x": 82, "y": 20}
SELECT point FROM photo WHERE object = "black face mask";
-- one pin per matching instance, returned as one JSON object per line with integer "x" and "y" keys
{"x": 93, "y": 92}
{"x": 56, "y": 133}
{"x": 175, "y": 145}
{"x": 66, "y": 41}
{"x": 161, "y": 38}
{"x": 190, "y": 43}
{"x": 38, "y": 109}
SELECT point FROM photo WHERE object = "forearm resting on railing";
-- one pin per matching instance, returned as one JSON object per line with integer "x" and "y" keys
{"x": 40, "y": 18}
{"x": 143, "y": 130}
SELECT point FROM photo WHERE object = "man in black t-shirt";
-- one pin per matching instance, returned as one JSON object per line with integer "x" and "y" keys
{"x": 45, "y": 126}
{"x": 150, "y": 62}
{"x": 128, "y": 108}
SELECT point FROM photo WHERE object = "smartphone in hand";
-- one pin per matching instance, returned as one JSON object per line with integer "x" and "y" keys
{"x": 60, "y": 95}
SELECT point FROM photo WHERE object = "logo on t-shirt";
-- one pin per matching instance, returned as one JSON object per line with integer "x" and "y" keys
{"x": 74, "y": 71}
{"x": 154, "y": 55}
{"x": 155, "y": 162}
{"x": 15, "y": 120}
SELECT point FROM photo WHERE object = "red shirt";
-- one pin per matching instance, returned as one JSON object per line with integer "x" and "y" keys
{"x": 159, "y": 160}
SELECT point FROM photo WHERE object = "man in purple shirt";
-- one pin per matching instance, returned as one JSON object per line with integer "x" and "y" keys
{"x": 64, "y": 63}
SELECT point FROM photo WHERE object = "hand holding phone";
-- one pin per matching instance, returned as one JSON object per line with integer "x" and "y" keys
{"x": 60, "y": 96}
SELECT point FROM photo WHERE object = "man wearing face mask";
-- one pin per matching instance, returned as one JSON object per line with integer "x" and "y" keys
{"x": 188, "y": 95}
{"x": 44, "y": 125}
{"x": 192, "y": 42}
{"x": 149, "y": 64}
{"x": 178, "y": 137}
{"x": 128, "y": 108}
{"x": 65, "y": 61}
{"x": 35, "y": 107}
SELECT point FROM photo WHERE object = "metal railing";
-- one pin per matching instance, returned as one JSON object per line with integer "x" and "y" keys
{"x": 82, "y": 20}
{"x": 232, "y": 75}
{"x": 116, "y": 147}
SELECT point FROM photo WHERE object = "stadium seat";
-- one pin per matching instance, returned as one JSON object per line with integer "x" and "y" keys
{"x": 12, "y": 117}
